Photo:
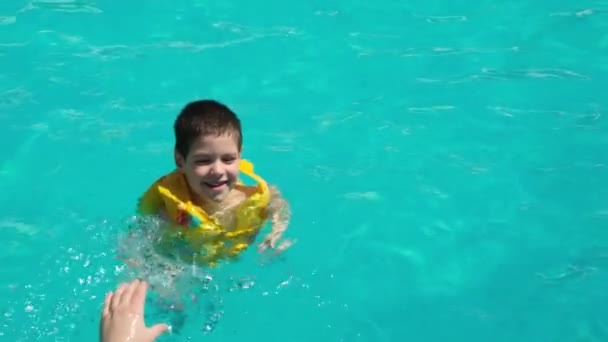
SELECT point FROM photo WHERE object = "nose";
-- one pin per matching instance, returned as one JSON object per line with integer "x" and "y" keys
{"x": 216, "y": 168}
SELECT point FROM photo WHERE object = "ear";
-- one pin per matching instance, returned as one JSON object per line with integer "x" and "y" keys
{"x": 179, "y": 159}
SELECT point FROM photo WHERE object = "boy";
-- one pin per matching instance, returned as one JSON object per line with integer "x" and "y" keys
{"x": 203, "y": 198}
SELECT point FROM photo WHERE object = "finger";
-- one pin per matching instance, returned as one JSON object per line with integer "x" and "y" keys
{"x": 106, "y": 304}
{"x": 157, "y": 330}
{"x": 138, "y": 299}
{"x": 116, "y": 297}
{"x": 263, "y": 246}
{"x": 125, "y": 299}
{"x": 283, "y": 246}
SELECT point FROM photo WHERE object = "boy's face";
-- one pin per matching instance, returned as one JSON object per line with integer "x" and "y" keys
{"x": 212, "y": 166}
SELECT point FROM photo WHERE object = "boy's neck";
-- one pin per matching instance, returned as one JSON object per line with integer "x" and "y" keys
{"x": 208, "y": 206}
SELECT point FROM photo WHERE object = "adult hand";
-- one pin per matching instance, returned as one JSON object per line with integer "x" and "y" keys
{"x": 122, "y": 318}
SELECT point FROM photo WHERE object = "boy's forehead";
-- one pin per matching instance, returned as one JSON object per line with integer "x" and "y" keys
{"x": 224, "y": 140}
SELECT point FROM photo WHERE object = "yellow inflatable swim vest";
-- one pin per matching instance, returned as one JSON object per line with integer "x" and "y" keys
{"x": 207, "y": 239}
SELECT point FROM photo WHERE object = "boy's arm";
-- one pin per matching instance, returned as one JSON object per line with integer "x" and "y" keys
{"x": 279, "y": 214}
{"x": 279, "y": 211}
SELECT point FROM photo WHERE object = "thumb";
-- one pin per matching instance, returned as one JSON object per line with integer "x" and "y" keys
{"x": 157, "y": 330}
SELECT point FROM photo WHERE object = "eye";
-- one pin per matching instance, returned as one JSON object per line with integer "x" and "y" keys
{"x": 202, "y": 161}
{"x": 228, "y": 159}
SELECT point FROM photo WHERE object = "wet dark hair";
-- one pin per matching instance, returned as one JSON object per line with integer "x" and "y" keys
{"x": 205, "y": 117}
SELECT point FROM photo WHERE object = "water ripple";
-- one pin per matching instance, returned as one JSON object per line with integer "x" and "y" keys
{"x": 329, "y": 119}
{"x": 430, "y": 109}
{"x": 21, "y": 44}
{"x": 445, "y": 19}
{"x": 491, "y": 74}
{"x": 114, "y": 52}
{"x": 7, "y": 20}
{"x": 69, "y": 6}
{"x": 592, "y": 116}
{"x": 530, "y": 73}
{"x": 437, "y": 51}
{"x": 580, "y": 13}
{"x": 366, "y": 195}
{"x": 14, "y": 97}
{"x": 238, "y": 28}
{"x": 326, "y": 13}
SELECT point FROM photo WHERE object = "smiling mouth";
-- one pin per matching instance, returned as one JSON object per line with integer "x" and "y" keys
{"x": 215, "y": 185}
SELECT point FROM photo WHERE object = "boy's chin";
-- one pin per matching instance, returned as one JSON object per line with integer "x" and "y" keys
{"x": 216, "y": 197}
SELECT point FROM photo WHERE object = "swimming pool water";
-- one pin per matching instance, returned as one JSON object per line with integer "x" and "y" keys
{"x": 445, "y": 162}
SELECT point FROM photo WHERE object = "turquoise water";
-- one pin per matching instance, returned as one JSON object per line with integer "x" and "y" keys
{"x": 445, "y": 162}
